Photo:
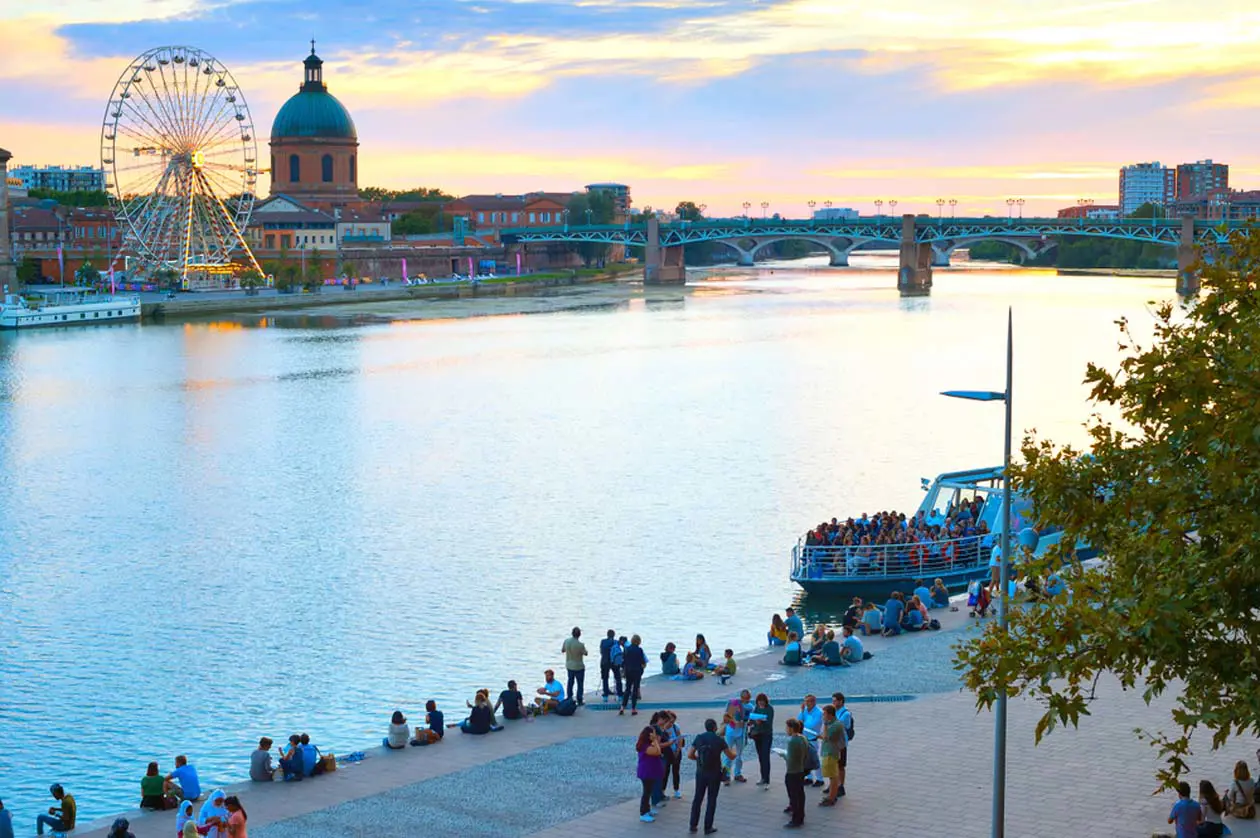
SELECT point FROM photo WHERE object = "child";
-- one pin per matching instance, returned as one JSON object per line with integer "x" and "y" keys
{"x": 726, "y": 668}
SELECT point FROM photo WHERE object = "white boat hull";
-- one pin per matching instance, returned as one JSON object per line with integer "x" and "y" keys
{"x": 74, "y": 314}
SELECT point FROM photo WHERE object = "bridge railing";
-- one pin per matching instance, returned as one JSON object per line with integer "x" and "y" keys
{"x": 858, "y": 562}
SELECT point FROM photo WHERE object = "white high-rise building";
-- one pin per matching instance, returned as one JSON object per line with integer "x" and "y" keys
{"x": 1146, "y": 183}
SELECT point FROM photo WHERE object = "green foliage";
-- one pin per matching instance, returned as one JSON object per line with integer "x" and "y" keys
{"x": 602, "y": 211}
{"x": 313, "y": 279}
{"x": 1167, "y": 494}
{"x": 688, "y": 211}
{"x": 166, "y": 278}
{"x": 28, "y": 271}
{"x": 423, "y": 221}
{"x": 251, "y": 280}
{"x": 1148, "y": 210}
{"x": 420, "y": 193}
{"x": 994, "y": 252}
{"x": 87, "y": 273}
{"x": 77, "y": 198}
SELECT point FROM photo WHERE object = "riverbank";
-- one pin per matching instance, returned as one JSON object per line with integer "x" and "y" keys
{"x": 563, "y": 776}
{"x": 191, "y": 306}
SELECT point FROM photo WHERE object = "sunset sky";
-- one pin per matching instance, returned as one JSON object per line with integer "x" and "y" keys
{"x": 716, "y": 101}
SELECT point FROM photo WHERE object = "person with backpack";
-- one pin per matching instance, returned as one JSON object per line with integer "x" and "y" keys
{"x": 798, "y": 755}
{"x": 633, "y": 663}
{"x": 611, "y": 656}
{"x": 707, "y": 750}
{"x": 845, "y": 717}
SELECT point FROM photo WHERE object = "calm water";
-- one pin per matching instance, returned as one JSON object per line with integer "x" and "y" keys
{"x": 211, "y": 532}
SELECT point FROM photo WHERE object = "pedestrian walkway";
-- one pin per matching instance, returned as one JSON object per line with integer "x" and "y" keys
{"x": 921, "y": 764}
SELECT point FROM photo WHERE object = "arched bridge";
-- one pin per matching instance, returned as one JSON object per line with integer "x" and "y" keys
{"x": 924, "y": 242}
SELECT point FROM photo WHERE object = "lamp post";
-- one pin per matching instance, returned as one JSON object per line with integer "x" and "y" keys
{"x": 747, "y": 205}
{"x": 588, "y": 216}
{"x": 1019, "y": 202}
{"x": 765, "y": 205}
{"x": 940, "y": 208}
{"x": 879, "y": 208}
{"x": 566, "y": 221}
{"x": 999, "y": 714}
{"x": 1010, "y": 208}
{"x": 892, "y": 207}
{"x": 953, "y": 202}
{"x": 811, "y": 204}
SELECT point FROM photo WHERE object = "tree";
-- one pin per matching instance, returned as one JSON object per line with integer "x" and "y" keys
{"x": 167, "y": 278}
{"x": 421, "y": 193}
{"x": 28, "y": 271}
{"x": 1168, "y": 495}
{"x": 87, "y": 274}
{"x": 77, "y": 198}
{"x": 1148, "y": 210}
{"x": 313, "y": 279}
{"x": 594, "y": 208}
{"x": 688, "y": 211}
{"x": 251, "y": 280}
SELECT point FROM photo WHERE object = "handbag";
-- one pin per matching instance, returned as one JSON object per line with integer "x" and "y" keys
{"x": 1246, "y": 809}
{"x": 328, "y": 763}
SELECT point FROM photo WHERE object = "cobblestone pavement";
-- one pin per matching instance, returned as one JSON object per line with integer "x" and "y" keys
{"x": 915, "y": 765}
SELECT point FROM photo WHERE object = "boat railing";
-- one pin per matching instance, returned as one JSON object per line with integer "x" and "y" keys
{"x": 869, "y": 561}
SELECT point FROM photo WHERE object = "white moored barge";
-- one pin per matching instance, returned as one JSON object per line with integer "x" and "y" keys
{"x": 65, "y": 307}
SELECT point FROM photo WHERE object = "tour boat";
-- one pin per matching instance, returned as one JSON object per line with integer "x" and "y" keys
{"x": 873, "y": 571}
{"x": 65, "y": 307}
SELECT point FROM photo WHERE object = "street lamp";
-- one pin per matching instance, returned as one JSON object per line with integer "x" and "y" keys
{"x": 940, "y": 208}
{"x": 1019, "y": 202}
{"x": 746, "y": 219}
{"x": 566, "y": 221}
{"x": 588, "y": 216}
{"x": 999, "y": 715}
{"x": 765, "y": 205}
{"x": 879, "y": 208}
{"x": 892, "y": 207}
{"x": 1010, "y": 208}
{"x": 812, "y": 204}
{"x": 953, "y": 202}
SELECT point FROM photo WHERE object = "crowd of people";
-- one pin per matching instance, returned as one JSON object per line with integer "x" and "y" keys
{"x": 889, "y": 542}
{"x": 816, "y": 756}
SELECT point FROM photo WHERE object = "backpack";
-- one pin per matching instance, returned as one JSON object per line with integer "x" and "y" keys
{"x": 566, "y": 708}
{"x": 811, "y": 758}
{"x": 616, "y": 654}
{"x": 934, "y": 624}
{"x": 708, "y": 755}
{"x": 848, "y": 724}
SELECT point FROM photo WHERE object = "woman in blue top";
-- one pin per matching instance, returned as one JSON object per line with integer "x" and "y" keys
{"x": 792, "y": 651}
{"x": 690, "y": 671}
{"x": 702, "y": 652}
{"x": 940, "y": 595}
{"x": 669, "y": 660}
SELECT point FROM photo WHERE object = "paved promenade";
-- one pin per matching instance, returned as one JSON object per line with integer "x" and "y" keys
{"x": 917, "y": 765}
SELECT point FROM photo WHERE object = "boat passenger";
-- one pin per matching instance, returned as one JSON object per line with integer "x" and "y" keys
{"x": 399, "y": 732}
{"x": 435, "y": 727}
{"x": 669, "y": 660}
{"x": 872, "y": 620}
{"x": 922, "y": 591}
{"x": 778, "y": 631}
{"x": 894, "y": 609}
{"x": 792, "y": 651}
{"x": 940, "y": 595}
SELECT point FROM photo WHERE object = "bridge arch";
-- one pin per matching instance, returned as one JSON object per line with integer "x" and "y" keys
{"x": 1024, "y": 245}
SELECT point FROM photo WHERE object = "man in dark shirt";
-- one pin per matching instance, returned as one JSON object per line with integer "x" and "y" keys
{"x": 707, "y": 750}
{"x": 511, "y": 701}
{"x": 610, "y": 660}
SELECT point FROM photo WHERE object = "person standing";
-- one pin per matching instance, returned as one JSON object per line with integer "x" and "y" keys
{"x": 59, "y": 818}
{"x": 236, "y": 818}
{"x": 574, "y": 650}
{"x": 761, "y": 728}
{"x": 735, "y": 729}
{"x": 811, "y": 719}
{"x": 707, "y": 750}
{"x": 833, "y": 745}
{"x": 635, "y": 662}
{"x": 611, "y": 656}
{"x": 651, "y": 769}
{"x": 844, "y": 717}
{"x": 794, "y": 778}
{"x": 6, "y": 822}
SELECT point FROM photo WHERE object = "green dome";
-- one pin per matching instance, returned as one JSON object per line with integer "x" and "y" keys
{"x": 313, "y": 113}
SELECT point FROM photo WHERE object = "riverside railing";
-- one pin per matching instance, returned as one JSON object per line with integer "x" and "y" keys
{"x": 867, "y": 561}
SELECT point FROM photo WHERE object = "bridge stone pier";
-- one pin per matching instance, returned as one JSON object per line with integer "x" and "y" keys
{"x": 914, "y": 278}
{"x": 1188, "y": 283}
{"x": 661, "y": 265}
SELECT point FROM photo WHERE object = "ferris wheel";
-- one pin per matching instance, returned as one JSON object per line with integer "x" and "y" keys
{"x": 181, "y": 163}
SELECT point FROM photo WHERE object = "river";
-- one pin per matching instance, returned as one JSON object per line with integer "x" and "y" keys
{"x": 215, "y": 531}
